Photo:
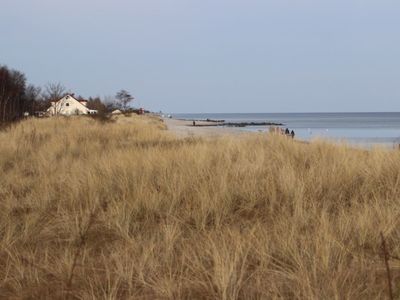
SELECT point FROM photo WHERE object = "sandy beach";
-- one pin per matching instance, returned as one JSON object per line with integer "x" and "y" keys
{"x": 185, "y": 128}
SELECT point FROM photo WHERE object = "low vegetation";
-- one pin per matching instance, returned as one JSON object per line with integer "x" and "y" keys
{"x": 119, "y": 210}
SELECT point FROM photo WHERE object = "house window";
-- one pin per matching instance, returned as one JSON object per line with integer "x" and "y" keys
{"x": 67, "y": 104}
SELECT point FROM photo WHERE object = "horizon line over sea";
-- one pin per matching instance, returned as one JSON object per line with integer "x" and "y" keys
{"x": 366, "y": 128}
{"x": 292, "y": 112}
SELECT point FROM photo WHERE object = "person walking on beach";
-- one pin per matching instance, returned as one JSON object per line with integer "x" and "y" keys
{"x": 194, "y": 123}
{"x": 287, "y": 131}
{"x": 292, "y": 134}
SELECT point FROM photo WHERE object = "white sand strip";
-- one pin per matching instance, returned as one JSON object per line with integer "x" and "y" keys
{"x": 183, "y": 128}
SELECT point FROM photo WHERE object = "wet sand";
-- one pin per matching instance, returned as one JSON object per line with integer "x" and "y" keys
{"x": 184, "y": 128}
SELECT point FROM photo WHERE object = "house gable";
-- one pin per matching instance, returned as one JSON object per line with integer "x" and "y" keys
{"x": 68, "y": 105}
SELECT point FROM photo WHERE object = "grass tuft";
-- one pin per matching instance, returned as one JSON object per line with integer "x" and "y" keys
{"x": 124, "y": 209}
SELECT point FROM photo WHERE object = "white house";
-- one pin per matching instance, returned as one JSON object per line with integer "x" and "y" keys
{"x": 68, "y": 106}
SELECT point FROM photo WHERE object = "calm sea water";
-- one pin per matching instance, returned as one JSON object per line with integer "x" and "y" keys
{"x": 362, "y": 128}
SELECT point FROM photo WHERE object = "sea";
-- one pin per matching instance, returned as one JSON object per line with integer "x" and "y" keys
{"x": 366, "y": 129}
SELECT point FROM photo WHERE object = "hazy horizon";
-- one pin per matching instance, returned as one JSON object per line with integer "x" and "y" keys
{"x": 226, "y": 56}
{"x": 288, "y": 112}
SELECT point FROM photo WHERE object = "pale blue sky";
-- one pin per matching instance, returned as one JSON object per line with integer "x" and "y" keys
{"x": 212, "y": 55}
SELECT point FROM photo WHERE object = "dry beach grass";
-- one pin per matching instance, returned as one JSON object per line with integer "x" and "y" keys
{"x": 126, "y": 210}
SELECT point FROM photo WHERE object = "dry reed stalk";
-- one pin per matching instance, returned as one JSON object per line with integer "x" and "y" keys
{"x": 79, "y": 244}
{"x": 386, "y": 256}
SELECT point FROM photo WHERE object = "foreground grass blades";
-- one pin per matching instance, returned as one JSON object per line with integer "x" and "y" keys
{"x": 124, "y": 209}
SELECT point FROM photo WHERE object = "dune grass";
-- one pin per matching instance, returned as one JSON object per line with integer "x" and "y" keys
{"x": 125, "y": 210}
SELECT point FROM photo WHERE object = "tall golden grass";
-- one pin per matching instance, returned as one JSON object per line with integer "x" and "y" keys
{"x": 125, "y": 210}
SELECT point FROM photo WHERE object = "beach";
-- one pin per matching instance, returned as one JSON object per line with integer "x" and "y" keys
{"x": 361, "y": 130}
{"x": 185, "y": 128}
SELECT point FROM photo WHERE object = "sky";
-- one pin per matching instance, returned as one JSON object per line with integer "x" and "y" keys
{"x": 212, "y": 55}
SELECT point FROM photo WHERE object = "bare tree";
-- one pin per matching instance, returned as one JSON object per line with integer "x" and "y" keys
{"x": 97, "y": 104}
{"x": 110, "y": 102}
{"x": 123, "y": 99}
{"x": 52, "y": 93}
{"x": 33, "y": 99}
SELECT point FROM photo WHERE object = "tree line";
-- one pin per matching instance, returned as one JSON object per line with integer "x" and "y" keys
{"x": 18, "y": 98}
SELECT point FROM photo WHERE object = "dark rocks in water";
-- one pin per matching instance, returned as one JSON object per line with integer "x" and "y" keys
{"x": 240, "y": 124}
{"x": 216, "y": 121}
{"x": 203, "y": 120}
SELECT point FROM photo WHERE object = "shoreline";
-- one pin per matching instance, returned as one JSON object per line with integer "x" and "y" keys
{"x": 185, "y": 128}
{"x": 210, "y": 122}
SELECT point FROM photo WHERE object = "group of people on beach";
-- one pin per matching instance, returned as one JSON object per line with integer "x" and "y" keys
{"x": 282, "y": 131}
